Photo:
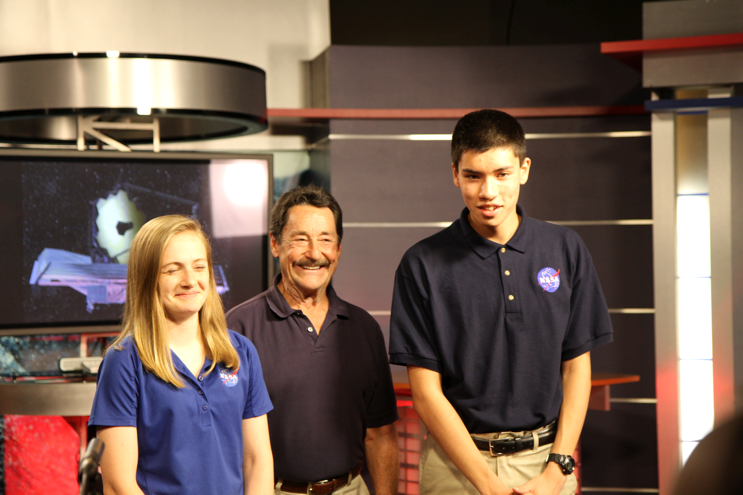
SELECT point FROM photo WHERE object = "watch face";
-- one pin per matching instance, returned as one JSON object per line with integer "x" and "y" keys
{"x": 566, "y": 462}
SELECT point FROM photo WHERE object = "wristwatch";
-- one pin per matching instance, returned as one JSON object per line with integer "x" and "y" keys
{"x": 566, "y": 462}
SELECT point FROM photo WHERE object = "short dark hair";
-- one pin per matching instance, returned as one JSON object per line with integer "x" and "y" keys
{"x": 484, "y": 130}
{"x": 304, "y": 195}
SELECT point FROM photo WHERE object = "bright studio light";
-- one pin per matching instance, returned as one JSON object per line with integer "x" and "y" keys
{"x": 143, "y": 87}
{"x": 696, "y": 383}
{"x": 696, "y": 399}
{"x": 686, "y": 449}
{"x": 430, "y": 137}
{"x": 692, "y": 213}
{"x": 239, "y": 197}
{"x": 245, "y": 183}
{"x": 695, "y": 318}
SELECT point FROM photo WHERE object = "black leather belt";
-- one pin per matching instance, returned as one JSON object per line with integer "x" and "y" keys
{"x": 320, "y": 487}
{"x": 512, "y": 445}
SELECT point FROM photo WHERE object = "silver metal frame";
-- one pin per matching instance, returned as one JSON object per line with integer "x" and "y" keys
{"x": 663, "y": 151}
{"x": 47, "y": 399}
{"x": 719, "y": 162}
{"x": 92, "y": 126}
{"x": 191, "y": 98}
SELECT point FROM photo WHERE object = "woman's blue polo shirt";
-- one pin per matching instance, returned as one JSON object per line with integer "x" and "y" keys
{"x": 190, "y": 439}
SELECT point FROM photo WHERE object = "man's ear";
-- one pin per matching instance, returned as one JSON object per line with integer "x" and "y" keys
{"x": 455, "y": 173}
{"x": 525, "y": 168}
{"x": 274, "y": 246}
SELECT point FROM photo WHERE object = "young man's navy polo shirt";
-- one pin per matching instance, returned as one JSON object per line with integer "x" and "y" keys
{"x": 498, "y": 321}
{"x": 327, "y": 388}
{"x": 190, "y": 439}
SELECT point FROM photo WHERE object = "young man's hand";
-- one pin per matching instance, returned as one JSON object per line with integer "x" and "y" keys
{"x": 550, "y": 482}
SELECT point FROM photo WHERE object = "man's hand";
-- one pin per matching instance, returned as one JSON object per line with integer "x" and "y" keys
{"x": 576, "y": 386}
{"x": 447, "y": 428}
{"x": 550, "y": 482}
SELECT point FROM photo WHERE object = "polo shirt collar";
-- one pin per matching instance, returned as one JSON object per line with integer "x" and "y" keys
{"x": 183, "y": 369}
{"x": 484, "y": 247}
{"x": 522, "y": 238}
{"x": 281, "y": 308}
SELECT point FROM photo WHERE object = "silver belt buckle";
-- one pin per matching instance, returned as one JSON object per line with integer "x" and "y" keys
{"x": 490, "y": 445}
{"x": 310, "y": 491}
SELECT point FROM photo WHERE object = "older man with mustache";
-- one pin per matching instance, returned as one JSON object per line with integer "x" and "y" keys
{"x": 324, "y": 360}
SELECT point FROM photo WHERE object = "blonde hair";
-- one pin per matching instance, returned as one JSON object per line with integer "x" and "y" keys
{"x": 144, "y": 316}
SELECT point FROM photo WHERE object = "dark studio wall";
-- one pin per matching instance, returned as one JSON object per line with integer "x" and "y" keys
{"x": 483, "y": 22}
{"x": 378, "y": 179}
{"x": 452, "y": 54}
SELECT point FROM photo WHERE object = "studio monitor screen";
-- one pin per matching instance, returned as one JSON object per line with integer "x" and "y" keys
{"x": 67, "y": 220}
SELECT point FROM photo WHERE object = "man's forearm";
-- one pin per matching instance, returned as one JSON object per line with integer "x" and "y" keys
{"x": 576, "y": 387}
{"x": 382, "y": 458}
{"x": 449, "y": 431}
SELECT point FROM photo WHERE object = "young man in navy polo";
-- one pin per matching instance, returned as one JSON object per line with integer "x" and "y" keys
{"x": 495, "y": 318}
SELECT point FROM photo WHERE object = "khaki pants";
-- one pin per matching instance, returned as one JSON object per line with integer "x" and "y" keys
{"x": 438, "y": 475}
{"x": 356, "y": 487}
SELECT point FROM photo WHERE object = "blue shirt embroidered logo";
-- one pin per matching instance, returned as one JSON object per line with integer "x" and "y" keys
{"x": 229, "y": 378}
{"x": 549, "y": 279}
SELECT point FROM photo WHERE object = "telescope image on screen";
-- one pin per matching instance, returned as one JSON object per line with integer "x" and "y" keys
{"x": 78, "y": 218}
{"x": 115, "y": 220}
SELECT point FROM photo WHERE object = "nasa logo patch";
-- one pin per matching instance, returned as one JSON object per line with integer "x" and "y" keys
{"x": 548, "y": 279}
{"x": 229, "y": 379}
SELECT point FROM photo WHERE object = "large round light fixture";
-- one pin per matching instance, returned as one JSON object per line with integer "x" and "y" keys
{"x": 45, "y": 98}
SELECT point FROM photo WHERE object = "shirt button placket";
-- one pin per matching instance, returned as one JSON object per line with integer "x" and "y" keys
{"x": 512, "y": 305}
{"x": 205, "y": 414}
{"x": 206, "y": 417}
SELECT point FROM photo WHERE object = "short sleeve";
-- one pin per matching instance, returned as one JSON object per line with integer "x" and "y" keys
{"x": 258, "y": 402}
{"x": 411, "y": 330}
{"x": 589, "y": 325}
{"x": 382, "y": 408}
{"x": 117, "y": 391}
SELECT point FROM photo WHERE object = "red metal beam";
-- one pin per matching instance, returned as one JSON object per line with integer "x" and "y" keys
{"x": 630, "y": 52}
{"x": 665, "y": 44}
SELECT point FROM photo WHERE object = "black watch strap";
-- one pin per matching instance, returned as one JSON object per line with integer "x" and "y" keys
{"x": 566, "y": 462}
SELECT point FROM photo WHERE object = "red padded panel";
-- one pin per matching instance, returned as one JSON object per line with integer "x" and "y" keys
{"x": 41, "y": 456}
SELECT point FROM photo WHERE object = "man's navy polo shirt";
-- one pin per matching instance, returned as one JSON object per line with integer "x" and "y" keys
{"x": 497, "y": 321}
{"x": 326, "y": 389}
{"x": 190, "y": 439}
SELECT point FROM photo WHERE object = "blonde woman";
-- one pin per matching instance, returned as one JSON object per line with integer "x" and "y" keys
{"x": 181, "y": 403}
